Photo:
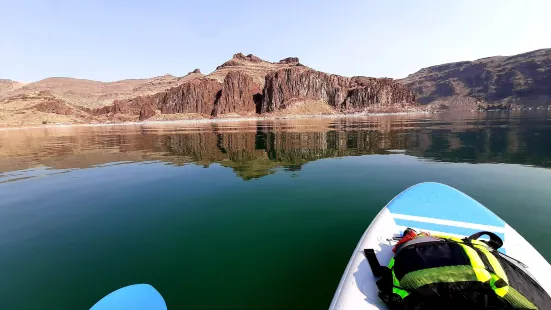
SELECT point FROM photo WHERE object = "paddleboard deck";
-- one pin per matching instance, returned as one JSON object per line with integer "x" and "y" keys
{"x": 435, "y": 208}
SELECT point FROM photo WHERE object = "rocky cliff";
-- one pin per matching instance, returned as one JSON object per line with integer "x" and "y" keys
{"x": 240, "y": 95}
{"x": 248, "y": 85}
{"x": 347, "y": 95}
{"x": 522, "y": 80}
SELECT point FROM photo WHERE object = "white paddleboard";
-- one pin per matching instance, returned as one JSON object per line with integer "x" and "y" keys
{"x": 435, "y": 208}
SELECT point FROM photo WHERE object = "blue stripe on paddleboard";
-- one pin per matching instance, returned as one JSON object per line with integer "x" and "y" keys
{"x": 439, "y": 201}
{"x": 463, "y": 231}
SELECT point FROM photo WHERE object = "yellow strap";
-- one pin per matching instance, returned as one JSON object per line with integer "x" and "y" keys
{"x": 499, "y": 272}
{"x": 482, "y": 274}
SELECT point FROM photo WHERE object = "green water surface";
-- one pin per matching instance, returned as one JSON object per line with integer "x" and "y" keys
{"x": 253, "y": 215}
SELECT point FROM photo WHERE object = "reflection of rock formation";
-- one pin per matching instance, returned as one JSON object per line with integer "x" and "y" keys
{"x": 511, "y": 140}
{"x": 253, "y": 154}
{"x": 254, "y": 150}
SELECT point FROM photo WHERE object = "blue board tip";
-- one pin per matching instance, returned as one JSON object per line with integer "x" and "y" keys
{"x": 437, "y": 207}
{"x": 132, "y": 297}
{"x": 440, "y": 201}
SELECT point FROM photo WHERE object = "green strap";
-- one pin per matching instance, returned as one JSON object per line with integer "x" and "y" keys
{"x": 447, "y": 274}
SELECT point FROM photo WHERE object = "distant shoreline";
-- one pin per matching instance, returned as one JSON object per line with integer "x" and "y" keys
{"x": 219, "y": 120}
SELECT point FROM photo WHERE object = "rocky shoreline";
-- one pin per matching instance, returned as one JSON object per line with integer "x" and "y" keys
{"x": 193, "y": 121}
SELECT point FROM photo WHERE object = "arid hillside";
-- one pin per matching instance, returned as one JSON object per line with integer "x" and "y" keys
{"x": 500, "y": 82}
{"x": 243, "y": 86}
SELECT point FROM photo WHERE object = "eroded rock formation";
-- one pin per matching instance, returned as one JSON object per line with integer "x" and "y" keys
{"x": 196, "y": 96}
{"x": 247, "y": 85}
{"x": 348, "y": 95}
{"x": 289, "y": 60}
{"x": 240, "y": 94}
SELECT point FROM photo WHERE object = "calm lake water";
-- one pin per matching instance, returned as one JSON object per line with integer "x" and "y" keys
{"x": 250, "y": 215}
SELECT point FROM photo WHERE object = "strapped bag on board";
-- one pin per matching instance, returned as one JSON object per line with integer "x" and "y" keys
{"x": 443, "y": 272}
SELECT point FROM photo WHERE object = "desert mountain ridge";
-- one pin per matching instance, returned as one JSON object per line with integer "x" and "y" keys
{"x": 499, "y": 82}
{"x": 245, "y": 85}
{"x": 8, "y": 86}
{"x": 89, "y": 93}
{"x": 248, "y": 86}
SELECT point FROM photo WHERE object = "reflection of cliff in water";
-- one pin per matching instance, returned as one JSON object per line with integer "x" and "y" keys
{"x": 255, "y": 154}
{"x": 511, "y": 141}
{"x": 256, "y": 149}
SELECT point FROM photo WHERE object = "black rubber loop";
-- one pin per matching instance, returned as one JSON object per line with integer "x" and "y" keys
{"x": 495, "y": 241}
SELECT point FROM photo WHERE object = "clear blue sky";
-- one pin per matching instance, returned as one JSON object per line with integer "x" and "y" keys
{"x": 110, "y": 40}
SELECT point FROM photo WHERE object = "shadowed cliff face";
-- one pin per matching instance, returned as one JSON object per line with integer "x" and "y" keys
{"x": 195, "y": 96}
{"x": 257, "y": 149}
{"x": 239, "y": 95}
{"x": 348, "y": 95}
{"x": 493, "y": 82}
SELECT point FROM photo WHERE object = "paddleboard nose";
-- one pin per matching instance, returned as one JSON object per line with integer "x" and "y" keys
{"x": 132, "y": 297}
